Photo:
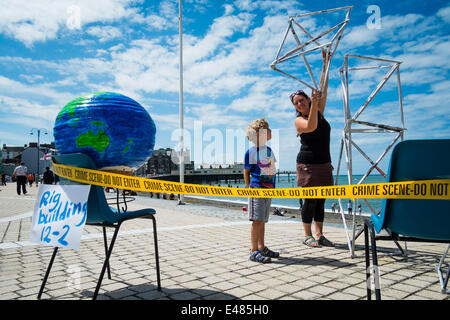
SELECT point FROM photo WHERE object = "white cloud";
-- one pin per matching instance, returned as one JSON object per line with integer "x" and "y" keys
{"x": 444, "y": 14}
{"x": 213, "y": 116}
{"x": 213, "y": 64}
{"x": 105, "y": 33}
{"x": 30, "y": 78}
{"x": 272, "y": 6}
{"x": 234, "y": 69}
{"x": 157, "y": 22}
{"x": 393, "y": 28}
{"x": 217, "y": 36}
{"x": 26, "y": 108}
{"x": 29, "y": 21}
{"x": 12, "y": 87}
{"x": 260, "y": 97}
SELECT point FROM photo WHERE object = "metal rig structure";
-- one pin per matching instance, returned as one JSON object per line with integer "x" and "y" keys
{"x": 299, "y": 50}
{"x": 347, "y": 142}
{"x": 348, "y": 132}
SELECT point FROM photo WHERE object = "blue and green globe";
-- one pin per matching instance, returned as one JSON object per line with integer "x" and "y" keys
{"x": 113, "y": 129}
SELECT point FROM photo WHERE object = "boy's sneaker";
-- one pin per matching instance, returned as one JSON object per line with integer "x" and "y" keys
{"x": 269, "y": 253}
{"x": 257, "y": 256}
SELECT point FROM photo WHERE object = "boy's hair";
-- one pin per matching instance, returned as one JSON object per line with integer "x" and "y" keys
{"x": 254, "y": 127}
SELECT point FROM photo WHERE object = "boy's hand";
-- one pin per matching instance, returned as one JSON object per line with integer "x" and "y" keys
{"x": 247, "y": 178}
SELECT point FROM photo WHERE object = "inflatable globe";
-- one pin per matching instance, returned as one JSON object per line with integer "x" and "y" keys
{"x": 113, "y": 129}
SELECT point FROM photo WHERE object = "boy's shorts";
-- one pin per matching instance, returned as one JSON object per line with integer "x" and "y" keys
{"x": 259, "y": 209}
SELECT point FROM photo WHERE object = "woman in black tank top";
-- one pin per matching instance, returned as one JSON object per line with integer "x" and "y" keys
{"x": 313, "y": 161}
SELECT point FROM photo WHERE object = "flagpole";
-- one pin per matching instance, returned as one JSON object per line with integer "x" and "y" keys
{"x": 181, "y": 199}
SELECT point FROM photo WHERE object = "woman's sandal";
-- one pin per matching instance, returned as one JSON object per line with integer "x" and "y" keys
{"x": 325, "y": 242}
{"x": 269, "y": 253}
{"x": 258, "y": 256}
{"x": 311, "y": 242}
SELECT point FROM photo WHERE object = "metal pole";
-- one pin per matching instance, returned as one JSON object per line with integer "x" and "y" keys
{"x": 324, "y": 11}
{"x": 38, "y": 147}
{"x": 38, "y": 130}
{"x": 400, "y": 98}
{"x": 181, "y": 199}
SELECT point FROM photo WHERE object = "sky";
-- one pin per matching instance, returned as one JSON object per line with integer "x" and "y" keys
{"x": 55, "y": 51}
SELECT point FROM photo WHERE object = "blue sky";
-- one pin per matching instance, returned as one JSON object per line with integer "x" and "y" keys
{"x": 48, "y": 58}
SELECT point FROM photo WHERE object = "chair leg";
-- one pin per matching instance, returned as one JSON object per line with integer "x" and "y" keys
{"x": 52, "y": 259}
{"x": 105, "y": 241}
{"x": 156, "y": 253}
{"x": 105, "y": 264}
{"x": 403, "y": 252}
{"x": 367, "y": 254}
{"x": 376, "y": 274}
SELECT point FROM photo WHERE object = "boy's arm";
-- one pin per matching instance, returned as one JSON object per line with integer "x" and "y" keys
{"x": 247, "y": 177}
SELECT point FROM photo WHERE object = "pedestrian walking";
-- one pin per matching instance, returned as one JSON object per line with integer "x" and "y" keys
{"x": 21, "y": 174}
{"x": 350, "y": 207}
{"x": 49, "y": 178}
{"x": 30, "y": 179}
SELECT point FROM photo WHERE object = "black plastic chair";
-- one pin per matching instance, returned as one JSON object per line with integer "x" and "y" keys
{"x": 99, "y": 213}
{"x": 412, "y": 220}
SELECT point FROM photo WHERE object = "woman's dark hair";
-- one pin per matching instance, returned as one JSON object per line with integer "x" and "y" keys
{"x": 301, "y": 93}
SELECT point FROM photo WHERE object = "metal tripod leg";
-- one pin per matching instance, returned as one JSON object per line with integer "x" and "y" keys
{"x": 442, "y": 280}
{"x": 368, "y": 228}
{"x": 47, "y": 273}
{"x": 376, "y": 274}
{"x": 367, "y": 254}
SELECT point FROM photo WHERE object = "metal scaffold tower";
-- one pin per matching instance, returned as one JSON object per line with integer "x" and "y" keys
{"x": 311, "y": 45}
{"x": 349, "y": 131}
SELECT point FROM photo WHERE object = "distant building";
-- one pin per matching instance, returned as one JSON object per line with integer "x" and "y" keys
{"x": 13, "y": 155}
{"x": 30, "y": 157}
{"x": 165, "y": 161}
{"x": 235, "y": 168}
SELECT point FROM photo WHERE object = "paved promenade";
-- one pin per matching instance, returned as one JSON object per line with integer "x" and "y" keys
{"x": 203, "y": 255}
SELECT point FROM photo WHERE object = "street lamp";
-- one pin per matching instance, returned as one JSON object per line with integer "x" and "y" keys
{"x": 169, "y": 160}
{"x": 38, "y": 130}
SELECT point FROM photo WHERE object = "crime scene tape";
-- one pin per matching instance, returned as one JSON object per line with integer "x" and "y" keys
{"x": 437, "y": 189}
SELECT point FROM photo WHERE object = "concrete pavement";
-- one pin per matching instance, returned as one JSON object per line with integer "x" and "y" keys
{"x": 204, "y": 256}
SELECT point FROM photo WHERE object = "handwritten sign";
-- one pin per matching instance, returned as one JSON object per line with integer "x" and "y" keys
{"x": 59, "y": 215}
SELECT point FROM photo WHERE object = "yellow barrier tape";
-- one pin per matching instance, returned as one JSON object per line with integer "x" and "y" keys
{"x": 437, "y": 189}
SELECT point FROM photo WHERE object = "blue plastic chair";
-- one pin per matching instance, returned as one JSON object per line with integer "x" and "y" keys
{"x": 99, "y": 213}
{"x": 412, "y": 220}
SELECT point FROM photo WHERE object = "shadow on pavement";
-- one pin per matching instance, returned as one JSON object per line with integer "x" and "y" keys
{"x": 150, "y": 292}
